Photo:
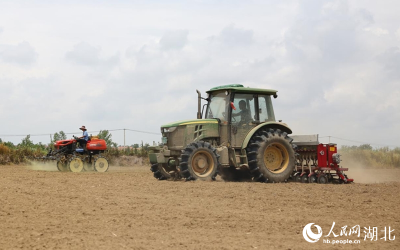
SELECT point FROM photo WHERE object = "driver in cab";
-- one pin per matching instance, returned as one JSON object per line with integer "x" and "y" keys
{"x": 244, "y": 113}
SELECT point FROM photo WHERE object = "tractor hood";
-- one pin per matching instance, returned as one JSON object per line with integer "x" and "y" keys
{"x": 189, "y": 122}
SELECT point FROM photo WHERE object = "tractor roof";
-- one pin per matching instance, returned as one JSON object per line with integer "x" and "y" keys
{"x": 242, "y": 89}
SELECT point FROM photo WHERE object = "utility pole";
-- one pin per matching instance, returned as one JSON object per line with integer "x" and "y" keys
{"x": 124, "y": 138}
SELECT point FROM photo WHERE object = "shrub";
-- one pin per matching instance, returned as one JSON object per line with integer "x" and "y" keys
{"x": 366, "y": 155}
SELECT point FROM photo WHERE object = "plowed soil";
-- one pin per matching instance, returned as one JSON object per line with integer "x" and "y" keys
{"x": 126, "y": 208}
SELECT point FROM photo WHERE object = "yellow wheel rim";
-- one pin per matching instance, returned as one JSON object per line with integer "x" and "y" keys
{"x": 202, "y": 163}
{"x": 76, "y": 165}
{"x": 101, "y": 165}
{"x": 276, "y": 158}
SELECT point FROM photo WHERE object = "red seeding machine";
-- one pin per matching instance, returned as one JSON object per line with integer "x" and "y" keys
{"x": 317, "y": 162}
{"x": 72, "y": 158}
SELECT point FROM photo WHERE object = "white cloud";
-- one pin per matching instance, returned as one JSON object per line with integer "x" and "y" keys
{"x": 22, "y": 54}
{"x": 84, "y": 53}
{"x": 398, "y": 33}
{"x": 377, "y": 31}
{"x": 174, "y": 39}
{"x": 390, "y": 59}
{"x": 233, "y": 36}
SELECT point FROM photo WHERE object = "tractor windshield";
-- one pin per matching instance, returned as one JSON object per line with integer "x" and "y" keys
{"x": 218, "y": 106}
{"x": 265, "y": 109}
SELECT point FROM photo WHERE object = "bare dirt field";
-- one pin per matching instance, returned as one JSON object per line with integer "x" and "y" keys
{"x": 126, "y": 208}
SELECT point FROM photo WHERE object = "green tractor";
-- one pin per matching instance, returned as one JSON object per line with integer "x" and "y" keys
{"x": 238, "y": 138}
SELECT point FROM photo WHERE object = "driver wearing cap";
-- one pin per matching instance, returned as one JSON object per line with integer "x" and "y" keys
{"x": 84, "y": 138}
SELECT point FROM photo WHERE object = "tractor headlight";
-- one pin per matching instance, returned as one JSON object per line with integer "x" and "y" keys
{"x": 169, "y": 130}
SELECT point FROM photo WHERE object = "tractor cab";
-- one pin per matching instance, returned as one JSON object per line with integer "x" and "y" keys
{"x": 237, "y": 105}
{"x": 240, "y": 109}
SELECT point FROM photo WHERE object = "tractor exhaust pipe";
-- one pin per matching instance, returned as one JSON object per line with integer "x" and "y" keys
{"x": 198, "y": 104}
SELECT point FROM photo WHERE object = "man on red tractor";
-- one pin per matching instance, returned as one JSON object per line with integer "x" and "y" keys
{"x": 84, "y": 138}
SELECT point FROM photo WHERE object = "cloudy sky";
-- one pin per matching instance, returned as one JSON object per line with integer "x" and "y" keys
{"x": 137, "y": 64}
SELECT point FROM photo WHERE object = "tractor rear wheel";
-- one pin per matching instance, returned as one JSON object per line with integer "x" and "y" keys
{"x": 75, "y": 164}
{"x": 62, "y": 166}
{"x": 271, "y": 156}
{"x": 101, "y": 164}
{"x": 199, "y": 160}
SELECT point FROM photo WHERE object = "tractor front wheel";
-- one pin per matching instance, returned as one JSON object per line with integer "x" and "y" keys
{"x": 199, "y": 160}
{"x": 160, "y": 171}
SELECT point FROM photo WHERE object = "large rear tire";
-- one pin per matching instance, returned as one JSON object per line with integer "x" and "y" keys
{"x": 199, "y": 160}
{"x": 271, "y": 156}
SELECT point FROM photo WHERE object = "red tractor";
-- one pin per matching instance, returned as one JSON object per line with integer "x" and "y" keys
{"x": 69, "y": 157}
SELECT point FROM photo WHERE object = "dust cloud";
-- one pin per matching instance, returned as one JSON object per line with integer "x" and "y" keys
{"x": 362, "y": 173}
{"x": 42, "y": 165}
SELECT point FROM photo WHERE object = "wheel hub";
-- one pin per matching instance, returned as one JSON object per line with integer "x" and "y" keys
{"x": 202, "y": 163}
{"x": 76, "y": 165}
{"x": 276, "y": 158}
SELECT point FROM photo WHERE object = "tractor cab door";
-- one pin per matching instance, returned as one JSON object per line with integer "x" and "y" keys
{"x": 243, "y": 117}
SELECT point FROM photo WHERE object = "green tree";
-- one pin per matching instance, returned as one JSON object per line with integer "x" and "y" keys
{"x": 40, "y": 146}
{"x": 365, "y": 147}
{"x": 135, "y": 148}
{"x": 26, "y": 142}
{"x": 107, "y": 136}
{"x": 58, "y": 136}
{"x": 9, "y": 144}
{"x": 144, "y": 149}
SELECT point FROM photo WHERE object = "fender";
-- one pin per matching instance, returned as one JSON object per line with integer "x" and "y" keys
{"x": 276, "y": 125}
